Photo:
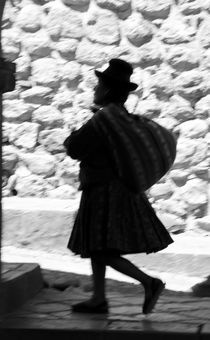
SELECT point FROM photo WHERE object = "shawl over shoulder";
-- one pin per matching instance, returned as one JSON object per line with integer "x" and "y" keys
{"x": 142, "y": 150}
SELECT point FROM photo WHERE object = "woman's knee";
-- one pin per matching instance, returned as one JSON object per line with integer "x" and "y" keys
{"x": 98, "y": 257}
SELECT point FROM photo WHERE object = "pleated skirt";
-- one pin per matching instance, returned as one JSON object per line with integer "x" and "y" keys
{"x": 113, "y": 220}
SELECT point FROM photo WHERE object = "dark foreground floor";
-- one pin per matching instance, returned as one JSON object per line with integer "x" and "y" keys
{"x": 177, "y": 315}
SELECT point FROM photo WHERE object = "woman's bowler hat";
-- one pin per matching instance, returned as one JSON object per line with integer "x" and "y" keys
{"x": 118, "y": 74}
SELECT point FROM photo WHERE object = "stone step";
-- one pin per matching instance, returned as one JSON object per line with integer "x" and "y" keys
{"x": 179, "y": 271}
{"x": 20, "y": 282}
{"x": 182, "y": 264}
{"x": 47, "y": 223}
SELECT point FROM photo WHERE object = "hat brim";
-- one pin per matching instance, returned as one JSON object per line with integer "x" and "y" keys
{"x": 129, "y": 85}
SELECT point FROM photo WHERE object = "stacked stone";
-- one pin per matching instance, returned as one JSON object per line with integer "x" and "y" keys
{"x": 57, "y": 45}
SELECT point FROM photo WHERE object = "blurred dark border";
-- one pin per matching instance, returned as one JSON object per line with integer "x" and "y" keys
{"x": 2, "y": 5}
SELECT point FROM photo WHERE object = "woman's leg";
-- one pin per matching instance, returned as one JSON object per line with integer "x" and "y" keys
{"x": 118, "y": 263}
{"x": 97, "y": 303}
{"x": 152, "y": 286}
{"x": 99, "y": 269}
{"x": 126, "y": 267}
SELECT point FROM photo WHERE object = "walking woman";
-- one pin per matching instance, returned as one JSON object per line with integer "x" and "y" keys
{"x": 113, "y": 219}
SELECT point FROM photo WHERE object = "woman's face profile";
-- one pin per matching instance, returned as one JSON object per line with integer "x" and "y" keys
{"x": 100, "y": 93}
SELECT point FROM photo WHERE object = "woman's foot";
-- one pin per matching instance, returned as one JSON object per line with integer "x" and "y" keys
{"x": 152, "y": 293}
{"x": 91, "y": 306}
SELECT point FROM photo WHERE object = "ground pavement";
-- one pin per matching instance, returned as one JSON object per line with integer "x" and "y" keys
{"x": 177, "y": 315}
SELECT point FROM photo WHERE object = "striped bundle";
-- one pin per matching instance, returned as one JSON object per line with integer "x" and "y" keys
{"x": 142, "y": 150}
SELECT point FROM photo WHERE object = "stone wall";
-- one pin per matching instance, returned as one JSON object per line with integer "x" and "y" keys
{"x": 57, "y": 44}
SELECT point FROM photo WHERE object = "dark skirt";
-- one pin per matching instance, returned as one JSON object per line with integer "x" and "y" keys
{"x": 111, "y": 219}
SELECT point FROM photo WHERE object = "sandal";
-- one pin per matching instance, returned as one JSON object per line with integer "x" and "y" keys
{"x": 86, "y": 307}
{"x": 157, "y": 287}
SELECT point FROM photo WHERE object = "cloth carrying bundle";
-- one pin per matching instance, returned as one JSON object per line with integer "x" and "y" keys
{"x": 142, "y": 150}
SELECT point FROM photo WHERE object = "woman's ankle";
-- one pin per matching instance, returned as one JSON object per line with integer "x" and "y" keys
{"x": 98, "y": 298}
{"x": 147, "y": 284}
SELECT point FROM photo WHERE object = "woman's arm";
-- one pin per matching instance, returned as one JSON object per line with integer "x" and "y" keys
{"x": 82, "y": 141}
